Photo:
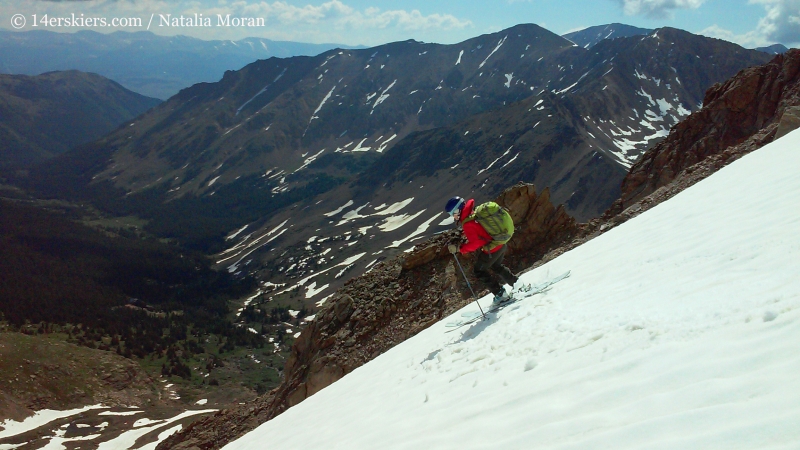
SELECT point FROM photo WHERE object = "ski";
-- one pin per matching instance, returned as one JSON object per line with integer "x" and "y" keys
{"x": 475, "y": 316}
{"x": 522, "y": 293}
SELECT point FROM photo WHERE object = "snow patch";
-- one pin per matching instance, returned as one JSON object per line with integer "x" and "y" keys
{"x": 383, "y": 96}
{"x": 321, "y": 104}
{"x": 499, "y": 44}
{"x": 509, "y": 77}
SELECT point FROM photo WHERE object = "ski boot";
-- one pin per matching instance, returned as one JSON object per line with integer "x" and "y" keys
{"x": 501, "y": 297}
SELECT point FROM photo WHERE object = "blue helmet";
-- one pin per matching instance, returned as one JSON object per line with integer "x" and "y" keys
{"x": 453, "y": 205}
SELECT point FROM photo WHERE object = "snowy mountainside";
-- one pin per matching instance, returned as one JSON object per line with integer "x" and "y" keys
{"x": 308, "y": 171}
{"x": 630, "y": 92}
{"x": 288, "y": 117}
{"x": 362, "y": 102}
{"x": 676, "y": 329}
{"x": 576, "y": 141}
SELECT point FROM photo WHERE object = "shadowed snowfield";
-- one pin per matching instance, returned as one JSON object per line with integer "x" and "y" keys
{"x": 677, "y": 329}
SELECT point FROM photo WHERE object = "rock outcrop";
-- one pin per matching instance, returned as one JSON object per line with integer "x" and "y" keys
{"x": 540, "y": 224}
{"x": 380, "y": 309}
{"x": 746, "y": 108}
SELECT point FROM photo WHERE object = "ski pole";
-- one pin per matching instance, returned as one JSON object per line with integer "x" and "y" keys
{"x": 469, "y": 285}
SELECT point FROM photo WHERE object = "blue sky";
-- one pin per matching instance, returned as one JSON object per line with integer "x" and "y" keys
{"x": 749, "y": 23}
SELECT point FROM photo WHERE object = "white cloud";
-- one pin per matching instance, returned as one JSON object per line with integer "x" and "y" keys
{"x": 331, "y": 21}
{"x": 285, "y": 13}
{"x": 337, "y": 14}
{"x": 413, "y": 20}
{"x": 657, "y": 9}
{"x": 750, "y": 39}
{"x": 782, "y": 22}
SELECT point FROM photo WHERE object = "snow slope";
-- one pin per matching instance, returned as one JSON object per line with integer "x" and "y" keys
{"x": 678, "y": 329}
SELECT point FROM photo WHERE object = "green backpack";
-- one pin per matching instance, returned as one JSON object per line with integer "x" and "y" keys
{"x": 495, "y": 220}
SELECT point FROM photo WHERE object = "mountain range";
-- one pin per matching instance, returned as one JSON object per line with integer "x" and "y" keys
{"x": 45, "y": 115}
{"x": 356, "y": 151}
{"x": 152, "y": 65}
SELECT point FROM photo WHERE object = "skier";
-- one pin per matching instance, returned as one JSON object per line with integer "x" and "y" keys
{"x": 474, "y": 222}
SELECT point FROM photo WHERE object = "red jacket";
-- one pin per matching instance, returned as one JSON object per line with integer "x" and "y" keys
{"x": 476, "y": 235}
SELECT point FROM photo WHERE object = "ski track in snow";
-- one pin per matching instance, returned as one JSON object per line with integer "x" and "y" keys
{"x": 676, "y": 330}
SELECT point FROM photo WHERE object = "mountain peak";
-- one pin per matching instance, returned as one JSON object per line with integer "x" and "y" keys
{"x": 774, "y": 49}
{"x": 591, "y": 36}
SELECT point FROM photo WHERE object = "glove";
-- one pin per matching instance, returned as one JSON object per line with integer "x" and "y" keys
{"x": 453, "y": 249}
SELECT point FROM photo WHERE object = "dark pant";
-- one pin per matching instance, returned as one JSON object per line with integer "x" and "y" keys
{"x": 489, "y": 268}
